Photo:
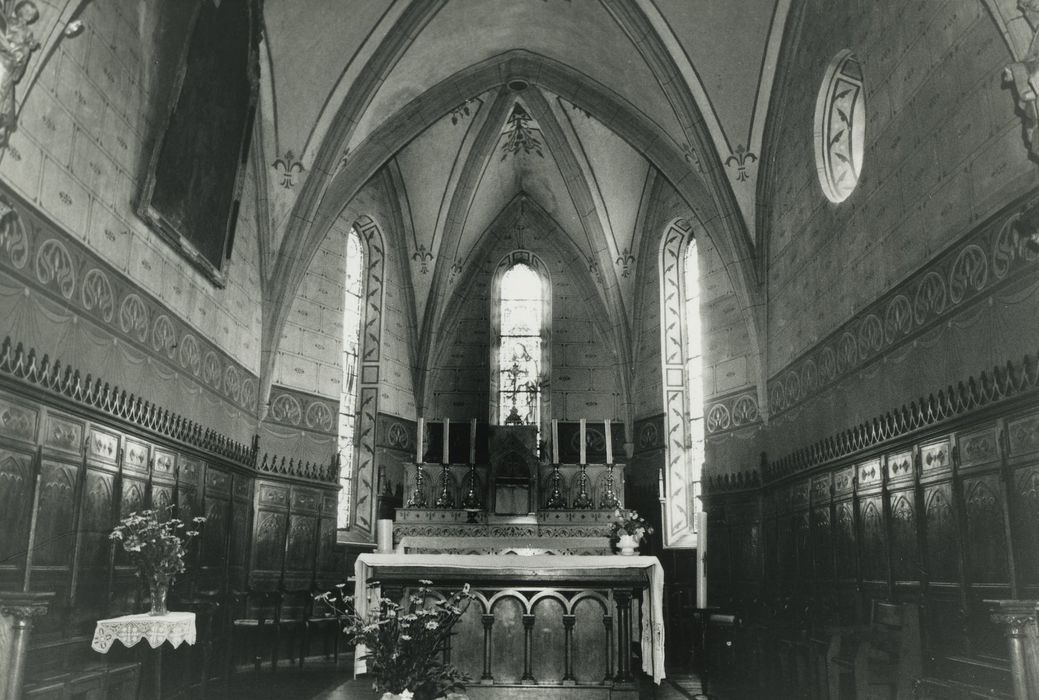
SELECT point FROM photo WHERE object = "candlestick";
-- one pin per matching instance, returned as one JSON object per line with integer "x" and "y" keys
{"x": 609, "y": 496}
{"x": 418, "y": 498}
{"x": 555, "y": 441}
{"x": 445, "y": 500}
{"x": 609, "y": 442}
{"x": 583, "y": 500}
{"x": 472, "y": 441}
{"x": 584, "y": 451}
{"x": 555, "y": 499}
{"x": 420, "y": 440}
{"x": 701, "y": 560}
{"x": 471, "y": 500}
{"x": 447, "y": 442}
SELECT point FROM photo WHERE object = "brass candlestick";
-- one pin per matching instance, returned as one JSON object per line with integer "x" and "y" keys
{"x": 555, "y": 499}
{"x": 583, "y": 500}
{"x": 418, "y": 498}
{"x": 609, "y": 498}
{"x": 471, "y": 500}
{"x": 445, "y": 500}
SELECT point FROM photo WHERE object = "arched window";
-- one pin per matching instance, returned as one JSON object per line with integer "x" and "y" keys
{"x": 521, "y": 302}
{"x": 353, "y": 312}
{"x": 681, "y": 332}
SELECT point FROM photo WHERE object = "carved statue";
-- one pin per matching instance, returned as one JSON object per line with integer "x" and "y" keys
{"x": 1023, "y": 75}
{"x": 16, "y": 45}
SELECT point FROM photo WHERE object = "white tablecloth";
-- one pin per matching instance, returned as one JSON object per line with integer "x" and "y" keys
{"x": 652, "y": 595}
{"x": 175, "y": 628}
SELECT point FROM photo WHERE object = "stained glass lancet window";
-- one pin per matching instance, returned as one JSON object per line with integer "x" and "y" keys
{"x": 694, "y": 368}
{"x": 353, "y": 309}
{"x": 521, "y": 300}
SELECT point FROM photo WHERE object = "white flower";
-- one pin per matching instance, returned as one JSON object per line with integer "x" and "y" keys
{"x": 432, "y": 625}
{"x": 425, "y": 582}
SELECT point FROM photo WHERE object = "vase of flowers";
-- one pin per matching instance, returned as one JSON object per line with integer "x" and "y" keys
{"x": 404, "y": 643}
{"x": 629, "y": 528}
{"x": 157, "y": 548}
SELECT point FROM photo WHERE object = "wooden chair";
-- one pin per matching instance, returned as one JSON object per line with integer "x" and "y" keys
{"x": 292, "y": 625}
{"x": 321, "y": 621}
{"x": 254, "y": 625}
{"x": 879, "y": 661}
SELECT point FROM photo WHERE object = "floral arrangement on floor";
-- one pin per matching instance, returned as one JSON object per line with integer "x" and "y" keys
{"x": 405, "y": 644}
{"x": 157, "y": 548}
{"x": 629, "y": 522}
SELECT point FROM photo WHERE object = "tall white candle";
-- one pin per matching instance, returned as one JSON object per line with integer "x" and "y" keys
{"x": 447, "y": 441}
{"x": 555, "y": 441}
{"x": 609, "y": 442}
{"x": 584, "y": 451}
{"x": 472, "y": 441}
{"x": 701, "y": 561}
{"x": 419, "y": 440}
{"x": 384, "y": 536}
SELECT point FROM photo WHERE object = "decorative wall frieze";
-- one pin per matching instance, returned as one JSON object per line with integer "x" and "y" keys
{"x": 40, "y": 373}
{"x": 298, "y": 409}
{"x": 1001, "y": 383}
{"x": 44, "y": 258}
{"x": 649, "y": 433}
{"x": 981, "y": 263}
{"x": 728, "y": 413}
{"x": 738, "y": 481}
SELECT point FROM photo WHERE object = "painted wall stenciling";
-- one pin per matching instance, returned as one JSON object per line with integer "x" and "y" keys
{"x": 733, "y": 412}
{"x": 368, "y": 380}
{"x": 298, "y": 409}
{"x": 678, "y": 472}
{"x": 933, "y": 299}
{"x": 40, "y": 267}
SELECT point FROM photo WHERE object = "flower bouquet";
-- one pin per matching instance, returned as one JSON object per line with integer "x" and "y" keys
{"x": 629, "y": 528}
{"x": 157, "y": 549}
{"x": 405, "y": 644}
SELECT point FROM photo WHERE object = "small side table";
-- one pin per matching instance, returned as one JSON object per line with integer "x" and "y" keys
{"x": 175, "y": 627}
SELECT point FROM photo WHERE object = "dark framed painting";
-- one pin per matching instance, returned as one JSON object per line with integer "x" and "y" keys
{"x": 192, "y": 189}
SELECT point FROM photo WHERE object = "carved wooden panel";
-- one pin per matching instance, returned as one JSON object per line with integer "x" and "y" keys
{"x": 55, "y": 535}
{"x": 188, "y": 505}
{"x": 272, "y": 495}
{"x": 190, "y": 472}
{"x": 589, "y": 642}
{"x": 900, "y": 466}
{"x": 467, "y": 644}
{"x": 549, "y": 650}
{"x": 745, "y": 542}
{"x": 940, "y": 529}
{"x": 239, "y": 535}
{"x": 844, "y": 532}
{"x": 270, "y": 540}
{"x": 214, "y": 531}
{"x": 1026, "y": 522}
{"x": 326, "y": 544}
{"x": 822, "y": 542}
{"x": 218, "y": 482}
{"x": 904, "y": 549}
{"x": 1023, "y": 435}
{"x": 16, "y": 486}
{"x": 986, "y": 541}
{"x": 935, "y": 457}
{"x": 305, "y": 500}
{"x": 132, "y": 495}
{"x": 242, "y": 488}
{"x": 786, "y": 556}
{"x": 978, "y": 448}
{"x": 302, "y": 542}
{"x": 136, "y": 456}
{"x": 802, "y": 545}
{"x": 96, "y": 519}
{"x": 870, "y": 474}
{"x": 843, "y": 481}
{"x": 18, "y": 421}
{"x": 507, "y": 638}
{"x": 102, "y": 446}
{"x": 63, "y": 433}
{"x": 164, "y": 465}
{"x": 874, "y": 560}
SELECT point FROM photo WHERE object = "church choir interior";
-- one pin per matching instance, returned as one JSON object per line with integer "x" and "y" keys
{"x": 390, "y": 291}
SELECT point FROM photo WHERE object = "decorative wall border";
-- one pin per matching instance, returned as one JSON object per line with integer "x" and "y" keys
{"x": 1000, "y": 384}
{"x": 982, "y": 262}
{"x": 649, "y": 433}
{"x": 298, "y": 409}
{"x": 95, "y": 393}
{"x": 47, "y": 259}
{"x": 733, "y": 412}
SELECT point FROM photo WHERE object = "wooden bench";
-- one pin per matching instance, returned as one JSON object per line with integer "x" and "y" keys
{"x": 881, "y": 660}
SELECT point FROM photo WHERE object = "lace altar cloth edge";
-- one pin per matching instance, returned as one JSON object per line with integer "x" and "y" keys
{"x": 175, "y": 628}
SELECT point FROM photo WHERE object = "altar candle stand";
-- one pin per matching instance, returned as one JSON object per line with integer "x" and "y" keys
{"x": 418, "y": 498}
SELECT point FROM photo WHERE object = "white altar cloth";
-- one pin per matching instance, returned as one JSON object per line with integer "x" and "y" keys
{"x": 174, "y": 627}
{"x": 652, "y": 596}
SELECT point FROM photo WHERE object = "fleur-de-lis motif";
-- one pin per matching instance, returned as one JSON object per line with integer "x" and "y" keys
{"x": 289, "y": 166}
{"x": 423, "y": 257}
{"x": 742, "y": 158}
{"x": 626, "y": 261}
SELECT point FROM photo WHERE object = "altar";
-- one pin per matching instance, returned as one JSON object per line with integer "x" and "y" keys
{"x": 541, "y": 626}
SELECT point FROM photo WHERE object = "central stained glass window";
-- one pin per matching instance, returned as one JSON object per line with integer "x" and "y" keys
{"x": 522, "y": 302}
